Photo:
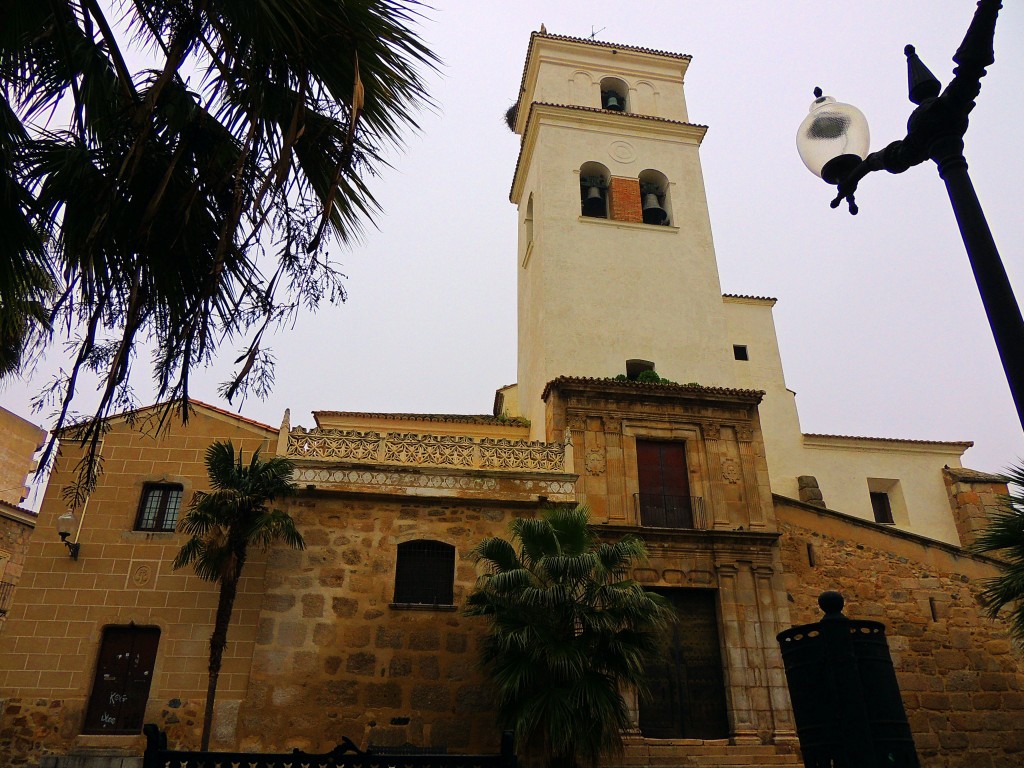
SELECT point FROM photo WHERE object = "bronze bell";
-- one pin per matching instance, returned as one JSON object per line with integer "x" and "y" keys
{"x": 653, "y": 212}
{"x": 593, "y": 203}
{"x": 613, "y": 102}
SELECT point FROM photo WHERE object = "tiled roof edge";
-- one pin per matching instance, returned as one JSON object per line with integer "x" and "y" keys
{"x": 957, "y": 443}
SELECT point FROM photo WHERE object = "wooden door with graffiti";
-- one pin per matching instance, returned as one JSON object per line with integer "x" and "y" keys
{"x": 124, "y": 673}
{"x": 687, "y": 683}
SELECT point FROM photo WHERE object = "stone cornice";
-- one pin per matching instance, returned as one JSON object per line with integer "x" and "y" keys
{"x": 693, "y": 393}
{"x": 689, "y": 540}
{"x": 18, "y": 514}
{"x": 601, "y": 119}
{"x": 447, "y": 483}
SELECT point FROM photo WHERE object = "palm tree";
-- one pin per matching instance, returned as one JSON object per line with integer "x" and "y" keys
{"x": 568, "y": 631}
{"x": 223, "y": 524}
{"x": 173, "y": 169}
{"x": 1004, "y": 536}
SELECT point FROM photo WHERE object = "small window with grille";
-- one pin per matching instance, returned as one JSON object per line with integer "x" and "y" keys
{"x": 159, "y": 508}
{"x": 425, "y": 573}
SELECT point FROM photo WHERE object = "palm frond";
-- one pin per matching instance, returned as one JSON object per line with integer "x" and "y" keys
{"x": 566, "y": 632}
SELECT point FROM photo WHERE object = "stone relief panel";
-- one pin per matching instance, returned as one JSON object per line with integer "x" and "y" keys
{"x": 595, "y": 461}
{"x": 432, "y": 450}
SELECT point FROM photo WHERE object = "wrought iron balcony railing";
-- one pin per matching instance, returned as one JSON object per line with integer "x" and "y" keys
{"x": 658, "y": 510}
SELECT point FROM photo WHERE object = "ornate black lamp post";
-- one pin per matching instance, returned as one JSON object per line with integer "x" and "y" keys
{"x": 833, "y": 142}
{"x": 846, "y": 699}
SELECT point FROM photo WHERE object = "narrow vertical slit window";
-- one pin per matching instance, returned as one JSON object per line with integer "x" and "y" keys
{"x": 881, "y": 507}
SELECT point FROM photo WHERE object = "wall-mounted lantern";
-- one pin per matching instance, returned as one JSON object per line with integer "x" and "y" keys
{"x": 66, "y": 524}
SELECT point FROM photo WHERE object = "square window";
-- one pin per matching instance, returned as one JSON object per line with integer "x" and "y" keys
{"x": 158, "y": 510}
{"x": 739, "y": 351}
{"x": 425, "y": 573}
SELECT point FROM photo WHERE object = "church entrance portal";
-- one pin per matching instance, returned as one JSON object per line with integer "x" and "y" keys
{"x": 687, "y": 686}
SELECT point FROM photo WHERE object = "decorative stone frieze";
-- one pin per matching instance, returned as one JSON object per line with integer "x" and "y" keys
{"x": 424, "y": 450}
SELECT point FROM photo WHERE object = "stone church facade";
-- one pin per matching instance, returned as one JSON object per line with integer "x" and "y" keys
{"x": 746, "y": 518}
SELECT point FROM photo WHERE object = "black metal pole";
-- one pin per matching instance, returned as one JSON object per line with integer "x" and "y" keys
{"x": 1001, "y": 307}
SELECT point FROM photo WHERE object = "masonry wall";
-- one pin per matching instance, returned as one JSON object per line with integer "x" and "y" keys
{"x": 49, "y": 646}
{"x": 334, "y": 658}
{"x": 16, "y": 529}
{"x": 962, "y": 677}
{"x": 20, "y": 440}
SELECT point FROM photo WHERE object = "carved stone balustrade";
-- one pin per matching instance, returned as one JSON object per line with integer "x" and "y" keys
{"x": 424, "y": 450}
{"x": 406, "y": 463}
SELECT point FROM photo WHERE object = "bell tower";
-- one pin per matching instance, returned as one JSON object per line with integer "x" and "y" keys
{"x": 615, "y": 259}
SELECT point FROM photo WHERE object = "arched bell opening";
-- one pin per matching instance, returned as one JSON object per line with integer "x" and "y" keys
{"x": 654, "y": 197}
{"x": 614, "y": 95}
{"x": 594, "y": 182}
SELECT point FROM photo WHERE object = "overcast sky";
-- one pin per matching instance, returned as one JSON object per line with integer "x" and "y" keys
{"x": 880, "y": 325}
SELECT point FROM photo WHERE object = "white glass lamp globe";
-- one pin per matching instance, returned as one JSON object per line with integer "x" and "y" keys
{"x": 833, "y": 138}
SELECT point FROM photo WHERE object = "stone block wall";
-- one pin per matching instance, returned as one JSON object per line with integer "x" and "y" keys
{"x": 973, "y": 496}
{"x": 961, "y": 675}
{"x": 16, "y": 527}
{"x": 335, "y": 658}
{"x": 20, "y": 440}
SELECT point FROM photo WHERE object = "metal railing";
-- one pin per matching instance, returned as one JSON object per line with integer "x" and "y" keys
{"x": 345, "y": 755}
{"x": 657, "y": 510}
{"x": 6, "y": 593}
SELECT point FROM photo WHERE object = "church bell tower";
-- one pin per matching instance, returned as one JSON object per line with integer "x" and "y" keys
{"x": 615, "y": 258}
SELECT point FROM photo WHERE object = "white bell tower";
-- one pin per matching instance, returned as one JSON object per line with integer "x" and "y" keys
{"x": 615, "y": 257}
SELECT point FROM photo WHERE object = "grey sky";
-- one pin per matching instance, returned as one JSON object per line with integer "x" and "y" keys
{"x": 879, "y": 321}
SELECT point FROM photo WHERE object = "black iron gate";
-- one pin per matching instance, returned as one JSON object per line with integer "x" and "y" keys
{"x": 345, "y": 755}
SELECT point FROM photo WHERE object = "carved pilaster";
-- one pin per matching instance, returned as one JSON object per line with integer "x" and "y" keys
{"x": 737, "y": 681}
{"x": 748, "y": 467}
{"x": 783, "y": 728}
{"x": 713, "y": 447}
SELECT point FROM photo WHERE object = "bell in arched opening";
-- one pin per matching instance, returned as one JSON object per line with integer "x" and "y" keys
{"x": 593, "y": 203}
{"x": 613, "y": 101}
{"x": 653, "y": 212}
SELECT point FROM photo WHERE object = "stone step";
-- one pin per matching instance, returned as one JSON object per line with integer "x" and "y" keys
{"x": 707, "y": 755}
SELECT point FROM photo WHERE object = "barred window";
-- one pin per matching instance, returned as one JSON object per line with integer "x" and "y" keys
{"x": 425, "y": 573}
{"x": 158, "y": 510}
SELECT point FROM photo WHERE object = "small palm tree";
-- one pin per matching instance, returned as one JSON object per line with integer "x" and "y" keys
{"x": 1004, "y": 536}
{"x": 568, "y": 630}
{"x": 223, "y": 524}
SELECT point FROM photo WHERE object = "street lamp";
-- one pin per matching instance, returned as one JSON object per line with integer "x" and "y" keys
{"x": 833, "y": 143}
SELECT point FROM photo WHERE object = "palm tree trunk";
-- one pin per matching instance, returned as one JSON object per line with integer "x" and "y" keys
{"x": 218, "y": 641}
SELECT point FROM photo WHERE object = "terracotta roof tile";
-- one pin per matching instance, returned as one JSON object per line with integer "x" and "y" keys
{"x": 597, "y": 43}
{"x": 748, "y": 296}
{"x": 957, "y": 443}
{"x": 974, "y": 476}
{"x": 194, "y": 403}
